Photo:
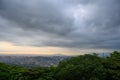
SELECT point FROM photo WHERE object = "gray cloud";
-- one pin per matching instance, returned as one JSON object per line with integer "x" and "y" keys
{"x": 65, "y": 23}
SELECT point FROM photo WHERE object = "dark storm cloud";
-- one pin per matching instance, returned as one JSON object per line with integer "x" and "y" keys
{"x": 37, "y": 15}
{"x": 64, "y": 23}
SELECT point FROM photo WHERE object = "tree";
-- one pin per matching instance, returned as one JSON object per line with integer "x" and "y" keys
{"x": 88, "y": 67}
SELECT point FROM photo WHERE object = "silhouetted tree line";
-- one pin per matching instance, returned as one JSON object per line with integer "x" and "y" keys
{"x": 83, "y": 67}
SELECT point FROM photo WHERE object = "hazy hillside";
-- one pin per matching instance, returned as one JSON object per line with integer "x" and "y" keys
{"x": 32, "y": 61}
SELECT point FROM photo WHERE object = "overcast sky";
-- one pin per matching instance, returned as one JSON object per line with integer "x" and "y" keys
{"x": 68, "y": 25}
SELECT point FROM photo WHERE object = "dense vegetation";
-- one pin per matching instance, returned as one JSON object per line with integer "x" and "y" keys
{"x": 84, "y": 67}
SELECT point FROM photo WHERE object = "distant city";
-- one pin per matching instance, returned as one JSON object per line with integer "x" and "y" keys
{"x": 32, "y": 61}
{"x": 29, "y": 61}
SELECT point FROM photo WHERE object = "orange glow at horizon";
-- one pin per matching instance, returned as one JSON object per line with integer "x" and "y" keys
{"x": 9, "y": 48}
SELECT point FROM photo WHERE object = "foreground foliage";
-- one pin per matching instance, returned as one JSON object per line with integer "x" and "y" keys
{"x": 84, "y": 67}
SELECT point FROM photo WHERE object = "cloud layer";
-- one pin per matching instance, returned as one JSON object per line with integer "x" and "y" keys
{"x": 61, "y": 23}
